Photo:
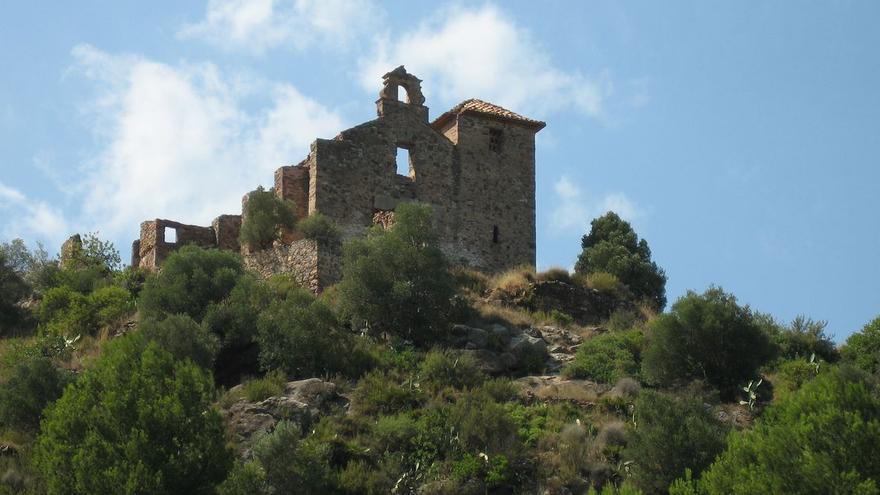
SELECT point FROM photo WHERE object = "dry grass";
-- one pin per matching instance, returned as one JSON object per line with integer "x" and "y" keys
{"x": 554, "y": 273}
{"x": 514, "y": 281}
{"x": 472, "y": 281}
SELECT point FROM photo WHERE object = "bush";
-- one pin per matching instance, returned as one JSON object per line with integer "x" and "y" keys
{"x": 821, "y": 439}
{"x": 291, "y": 465}
{"x": 514, "y": 281}
{"x": 139, "y": 421}
{"x": 33, "y": 384}
{"x": 12, "y": 290}
{"x": 555, "y": 274}
{"x": 381, "y": 392}
{"x": 803, "y": 338}
{"x": 66, "y": 312}
{"x": 863, "y": 348}
{"x": 302, "y": 337}
{"x": 484, "y": 425}
{"x": 397, "y": 282}
{"x": 183, "y": 338}
{"x": 603, "y": 282}
{"x": 671, "y": 435}
{"x": 191, "y": 280}
{"x": 607, "y": 357}
{"x": 320, "y": 229}
{"x": 792, "y": 375}
{"x": 612, "y": 246}
{"x": 444, "y": 368}
{"x": 110, "y": 304}
{"x": 708, "y": 337}
{"x": 271, "y": 385}
{"x": 265, "y": 218}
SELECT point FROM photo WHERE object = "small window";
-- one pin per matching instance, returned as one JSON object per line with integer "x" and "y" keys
{"x": 404, "y": 164}
{"x": 170, "y": 235}
{"x": 495, "y": 234}
{"x": 496, "y": 140}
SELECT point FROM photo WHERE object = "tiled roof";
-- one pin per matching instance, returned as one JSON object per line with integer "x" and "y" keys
{"x": 474, "y": 105}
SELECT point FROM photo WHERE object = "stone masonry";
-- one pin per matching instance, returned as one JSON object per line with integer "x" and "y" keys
{"x": 475, "y": 166}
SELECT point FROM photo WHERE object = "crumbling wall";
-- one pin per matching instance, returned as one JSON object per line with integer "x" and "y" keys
{"x": 226, "y": 230}
{"x": 153, "y": 249}
{"x": 292, "y": 183}
{"x": 309, "y": 264}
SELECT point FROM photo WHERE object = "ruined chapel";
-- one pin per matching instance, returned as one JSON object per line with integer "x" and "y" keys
{"x": 474, "y": 164}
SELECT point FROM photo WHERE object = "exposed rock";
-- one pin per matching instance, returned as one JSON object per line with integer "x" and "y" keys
{"x": 302, "y": 401}
{"x": 586, "y": 306}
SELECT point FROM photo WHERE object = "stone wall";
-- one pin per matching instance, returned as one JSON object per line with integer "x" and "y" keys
{"x": 226, "y": 230}
{"x": 292, "y": 183}
{"x": 304, "y": 260}
{"x": 153, "y": 248}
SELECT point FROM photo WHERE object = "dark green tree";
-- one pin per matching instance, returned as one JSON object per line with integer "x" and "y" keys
{"x": 707, "y": 337}
{"x": 612, "y": 246}
{"x": 824, "y": 438}
{"x": 191, "y": 280}
{"x": 139, "y": 421}
{"x": 181, "y": 336}
{"x": 12, "y": 290}
{"x": 671, "y": 435}
{"x": 398, "y": 282}
{"x": 34, "y": 384}
{"x": 863, "y": 348}
{"x": 265, "y": 217}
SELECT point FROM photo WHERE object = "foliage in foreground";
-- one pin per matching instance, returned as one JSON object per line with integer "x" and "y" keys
{"x": 824, "y": 438}
{"x": 863, "y": 348}
{"x": 607, "y": 357}
{"x": 671, "y": 435}
{"x": 265, "y": 218}
{"x": 137, "y": 422}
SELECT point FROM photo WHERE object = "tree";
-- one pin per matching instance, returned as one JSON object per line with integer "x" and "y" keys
{"x": 708, "y": 337}
{"x": 139, "y": 421}
{"x": 612, "y": 246}
{"x": 301, "y": 336}
{"x": 265, "y": 218}
{"x": 397, "y": 282}
{"x": 191, "y": 280}
{"x": 824, "y": 438}
{"x": 34, "y": 383}
{"x": 12, "y": 290}
{"x": 181, "y": 336}
{"x": 863, "y": 348}
{"x": 671, "y": 434}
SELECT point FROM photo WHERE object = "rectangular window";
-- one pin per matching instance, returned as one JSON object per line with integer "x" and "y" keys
{"x": 496, "y": 140}
{"x": 170, "y": 235}
{"x": 495, "y": 234}
{"x": 404, "y": 163}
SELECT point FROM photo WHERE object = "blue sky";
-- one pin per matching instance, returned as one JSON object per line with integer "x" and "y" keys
{"x": 742, "y": 139}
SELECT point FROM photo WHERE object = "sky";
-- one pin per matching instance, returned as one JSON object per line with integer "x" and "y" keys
{"x": 741, "y": 139}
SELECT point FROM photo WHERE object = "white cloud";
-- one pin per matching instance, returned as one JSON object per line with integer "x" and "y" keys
{"x": 482, "y": 53}
{"x": 574, "y": 211}
{"x": 179, "y": 142}
{"x": 24, "y": 217}
{"x": 258, "y": 25}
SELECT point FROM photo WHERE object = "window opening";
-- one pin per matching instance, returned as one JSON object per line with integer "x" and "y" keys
{"x": 170, "y": 235}
{"x": 496, "y": 140}
{"x": 495, "y": 234}
{"x": 404, "y": 163}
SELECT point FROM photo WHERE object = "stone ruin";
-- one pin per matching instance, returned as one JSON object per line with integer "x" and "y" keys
{"x": 475, "y": 165}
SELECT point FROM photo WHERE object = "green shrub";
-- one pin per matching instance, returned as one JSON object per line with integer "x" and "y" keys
{"x": 302, "y": 337}
{"x": 138, "y": 421}
{"x": 607, "y": 357}
{"x": 66, "y": 312}
{"x": 603, "y": 282}
{"x": 863, "y": 348}
{"x": 110, "y": 304}
{"x": 183, "y": 338}
{"x": 484, "y": 425}
{"x": 265, "y": 218}
{"x": 612, "y": 246}
{"x": 792, "y": 375}
{"x": 397, "y": 282}
{"x": 270, "y": 385}
{"x": 291, "y": 465}
{"x": 191, "y": 280}
{"x": 820, "y": 439}
{"x": 380, "y": 392}
{"x": 443, "y": 368}
{"x": 33, "y": 384}
{"x": 802, "y": 338}
{"x": 394, "y": 433}
{"x": 624, "y": 319}
{"x": 708, "y": 337}
{"x": 671, "y": 435}
{"x": 244, "y": 479}
{"x": 319, "y": 228}
{"x": 12, "y": 290}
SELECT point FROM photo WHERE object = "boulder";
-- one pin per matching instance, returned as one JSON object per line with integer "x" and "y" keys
{"x": 302, "y": 401}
